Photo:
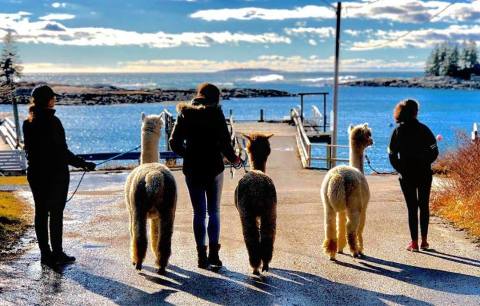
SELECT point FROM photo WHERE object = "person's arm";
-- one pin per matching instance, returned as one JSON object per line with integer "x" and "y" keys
{"x": 225, "y": 140}
{"x": 178, "y": 136}
{"x": 393, "y": 151}
{"x": 431, "y": 146}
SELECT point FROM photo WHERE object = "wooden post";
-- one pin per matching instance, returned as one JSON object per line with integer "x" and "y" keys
{"x": 335, "y": 87}
{"x": 261, "y": 115}
{"x": 324, "y": 112}
{"x": 301, "y": 108}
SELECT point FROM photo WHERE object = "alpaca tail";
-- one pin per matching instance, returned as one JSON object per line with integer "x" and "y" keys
{"x": 267, "y": 235}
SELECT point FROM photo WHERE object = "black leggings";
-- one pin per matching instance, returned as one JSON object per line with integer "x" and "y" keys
{"x": 50, "y": 197}
{"x": 417, "y": 195}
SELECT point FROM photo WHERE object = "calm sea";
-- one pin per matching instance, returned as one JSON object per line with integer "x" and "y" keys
{"x": 116, "y": 127}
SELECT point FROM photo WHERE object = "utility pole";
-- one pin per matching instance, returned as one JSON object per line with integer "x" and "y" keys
{"x": 335, "y": 87}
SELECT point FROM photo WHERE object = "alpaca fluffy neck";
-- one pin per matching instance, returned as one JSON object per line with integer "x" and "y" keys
{"x": 149, "y": 148}
{"x": 258, "y": 165}
{"x": 356, "y": 157}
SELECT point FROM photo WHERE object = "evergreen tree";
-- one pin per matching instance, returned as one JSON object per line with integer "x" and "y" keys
{"x": 433, "y": 64}
{"x": 469, "y": 55}
{"x": 10, "y": 67}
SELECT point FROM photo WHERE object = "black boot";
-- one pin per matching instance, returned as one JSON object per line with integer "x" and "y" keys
{"x": 46, "y": 258}
{"x": 63, "y": 259}
{"x": 202, "y": 257}
{"x": 213, "y": 258}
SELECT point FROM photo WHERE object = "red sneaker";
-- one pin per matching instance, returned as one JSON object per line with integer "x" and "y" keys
{"x": 413, "y": 246}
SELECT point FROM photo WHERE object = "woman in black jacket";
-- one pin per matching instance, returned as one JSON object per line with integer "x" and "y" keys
{"x": 48, "y": 175}
{"x": 412, "y": 150}
{"x": 201, "y": 137}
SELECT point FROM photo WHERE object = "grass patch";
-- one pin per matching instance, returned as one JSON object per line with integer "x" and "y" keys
{"x": 458, "y": 198}
{"x": 13, "y": 180}
{"x": 15, "y": 217}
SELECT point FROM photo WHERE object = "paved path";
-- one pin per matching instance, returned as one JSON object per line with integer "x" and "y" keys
{"x": 96, "y": 231}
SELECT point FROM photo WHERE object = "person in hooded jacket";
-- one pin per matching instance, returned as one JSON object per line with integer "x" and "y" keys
{"x": 412, "y": 150}
{"x": 47, "y": 173}
{"x": 201, "y": 137}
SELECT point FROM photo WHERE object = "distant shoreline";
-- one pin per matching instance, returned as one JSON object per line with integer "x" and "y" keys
{"x": 417, "y": 82}
{"x": 108, "y": 95}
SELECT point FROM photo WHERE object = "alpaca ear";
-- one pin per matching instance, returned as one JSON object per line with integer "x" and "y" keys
{"x": 365, "y": 125}
{"x": 269, "y": 136}
{"x": 246, "y": 136}
{"x": 350, "y": 128}
{"x": 143, "y": 116}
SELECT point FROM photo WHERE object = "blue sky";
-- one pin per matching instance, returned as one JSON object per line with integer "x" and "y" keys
{"x": 208, "y": 35}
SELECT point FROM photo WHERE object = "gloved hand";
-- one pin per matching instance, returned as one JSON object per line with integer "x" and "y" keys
{"x": 237, "y": 163}
{"x": 89, "y": 166}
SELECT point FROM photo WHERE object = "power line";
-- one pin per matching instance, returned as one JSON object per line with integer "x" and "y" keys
{"x": 409, "y": 32}
{"x": 329, "y": 5}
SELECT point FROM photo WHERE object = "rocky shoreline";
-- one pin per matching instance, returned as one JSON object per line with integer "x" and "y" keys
{"x": 106, "y": 95}
{"x": 421, "y": 82}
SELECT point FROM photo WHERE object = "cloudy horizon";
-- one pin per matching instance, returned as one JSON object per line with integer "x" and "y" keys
{"x": 207, "y": 36}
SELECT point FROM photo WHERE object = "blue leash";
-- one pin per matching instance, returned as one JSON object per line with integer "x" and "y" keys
{"x": 98, "y": 164}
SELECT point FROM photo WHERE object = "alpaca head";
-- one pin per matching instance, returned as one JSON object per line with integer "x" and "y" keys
{"x": 151, "y": 125}
{"x": 258, "y": 149}
{"x": 360, "y": 136}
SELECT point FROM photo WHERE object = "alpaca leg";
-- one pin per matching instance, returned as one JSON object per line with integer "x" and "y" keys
{"x": 341, "y": 231}
{"x": 267, "y": 234}
{"x": 361, "y": 226}
{"x": 352, "y": 227}
{"x": 330, "y": 242}
{"x": 251, "y": 236}
{"x": 139, "y": 241}
{"x": 165, "y": 243}
{"x": 155, "y": 236}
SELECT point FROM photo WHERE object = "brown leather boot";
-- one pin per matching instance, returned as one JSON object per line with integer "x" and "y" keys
{"x": 213, "y": 258}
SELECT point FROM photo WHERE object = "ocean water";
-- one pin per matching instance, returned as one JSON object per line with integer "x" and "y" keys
{"x": 115, "y": 128}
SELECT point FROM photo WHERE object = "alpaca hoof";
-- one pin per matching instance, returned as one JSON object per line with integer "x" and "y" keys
{"x": 256, "y": 272}
{"x": 361, "y": 255}
{"x": 332, "y": 258}
{"x": 265, "y": 268}
{"x": 138, "y": 266}
{"x": 162, "y": 270}
{"x": 340, "y": 252}
{"x": 356, "y": 255}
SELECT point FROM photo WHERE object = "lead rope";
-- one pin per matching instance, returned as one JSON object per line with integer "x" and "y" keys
{"x": 375, "y": 171}
{"x": 98, "y": 164}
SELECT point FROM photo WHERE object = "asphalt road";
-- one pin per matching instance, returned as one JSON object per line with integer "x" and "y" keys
{"x": 96, "y": 232}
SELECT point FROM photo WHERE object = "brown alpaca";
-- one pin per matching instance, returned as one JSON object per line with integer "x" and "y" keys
{"x": 151, "y": 193}
{"x": 256, "y": 202}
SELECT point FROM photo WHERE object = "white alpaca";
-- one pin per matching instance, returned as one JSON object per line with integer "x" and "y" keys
{"x": 345, "y": 195}
{"x": 151, "y": 192}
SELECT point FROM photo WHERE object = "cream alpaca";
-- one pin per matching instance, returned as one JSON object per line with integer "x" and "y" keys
{"x": 256, "y": 201}
{"x": 345, "y": 195}
{"x": 151, "y": 192}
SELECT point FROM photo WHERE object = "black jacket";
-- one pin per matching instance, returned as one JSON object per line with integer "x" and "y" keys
{"x": 201, "y": 137}
{"x": 412, "y": 150}
{"x": 46, "y": 147}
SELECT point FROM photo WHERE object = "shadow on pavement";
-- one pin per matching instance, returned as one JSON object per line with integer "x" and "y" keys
{"x": 277, "y": 287}
{"x": 455, "y": 258}
{"x": 439, "y": 280}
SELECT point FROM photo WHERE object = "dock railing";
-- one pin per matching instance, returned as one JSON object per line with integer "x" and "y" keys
{"x": 307, "y": 148}
{"x": 12, "y": 159}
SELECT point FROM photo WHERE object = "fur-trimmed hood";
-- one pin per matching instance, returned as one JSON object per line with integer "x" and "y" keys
{"x": 197, "y": 104}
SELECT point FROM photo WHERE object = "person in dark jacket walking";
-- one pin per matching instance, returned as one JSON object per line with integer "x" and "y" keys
{"x": 412, "y": 150}
{"x": 201, "y": 137}
{"x": 47, "y": 173}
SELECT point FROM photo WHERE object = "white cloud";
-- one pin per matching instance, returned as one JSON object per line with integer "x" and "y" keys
{"x": 406, "y": 11}
{"x": 57, "y": 17}
{"x": 323, "y": 32}
{"x": 312, "y": 42}
{"x": 423, "y": 38}
{"x": 59, "y": 5}
{"x": 286, "y": 63}
{"x": 249, "y": 13}
{"x": 50, "y": 31}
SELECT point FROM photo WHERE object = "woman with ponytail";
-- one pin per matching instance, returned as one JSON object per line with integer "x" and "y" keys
{"x": 48, "y": 174}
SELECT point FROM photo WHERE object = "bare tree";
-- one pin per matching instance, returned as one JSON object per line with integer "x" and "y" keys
{"x": 10, "y": 69}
